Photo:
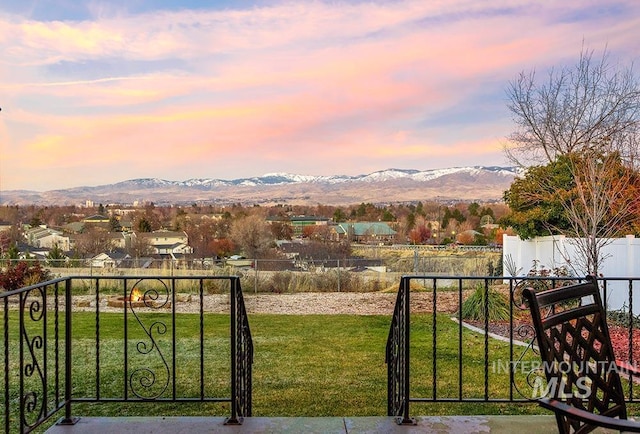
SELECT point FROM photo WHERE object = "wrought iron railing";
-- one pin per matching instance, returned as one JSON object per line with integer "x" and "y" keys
{"x": 48, "y": 368}
{"x": 242, "y": 356}
{"x": 507, "y": 377}
{"x": 397, "y": 357}
{"x": 143, "y": 351}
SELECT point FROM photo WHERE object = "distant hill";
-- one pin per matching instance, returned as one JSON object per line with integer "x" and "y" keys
{"x": 479, "y": 183}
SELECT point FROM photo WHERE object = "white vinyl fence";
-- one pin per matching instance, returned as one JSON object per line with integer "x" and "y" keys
{"x": 621, "y": 259}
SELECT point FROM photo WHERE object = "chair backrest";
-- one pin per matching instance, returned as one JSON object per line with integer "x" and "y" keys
{"x": 576, "y": 350}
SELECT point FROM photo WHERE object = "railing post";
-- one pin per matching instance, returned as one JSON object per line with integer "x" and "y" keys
{"x": 233, "y": 419}
{"x": 398, "y": 357}
{"x": 6, "y": 365}
{"x": 68, "y": 384}
{"x": 406, "y": 286}
{"x": 241, "y": 357}
{"x": 255, "y": 276}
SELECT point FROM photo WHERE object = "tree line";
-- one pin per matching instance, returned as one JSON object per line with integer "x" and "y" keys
{"x": 253, "y": 230}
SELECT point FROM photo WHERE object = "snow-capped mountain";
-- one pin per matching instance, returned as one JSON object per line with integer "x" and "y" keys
{"x": 288, "y": 178}
{"x": 385, "y": 186}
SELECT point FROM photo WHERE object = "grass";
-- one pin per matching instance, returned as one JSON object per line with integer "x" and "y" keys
{"x": 304, "y": 365}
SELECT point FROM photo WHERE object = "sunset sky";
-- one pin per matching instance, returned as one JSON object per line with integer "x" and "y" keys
{"x": 97, "y": 92}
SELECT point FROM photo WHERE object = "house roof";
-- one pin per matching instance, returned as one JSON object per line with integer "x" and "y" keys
{"x": 163, "y": 234}
{"x": 115, "y": 255}
{"x": 365, "y": 228}
{"x": 41, "y": 232}
{"x": 300, "y": 219}
{"x": 169, "y": 246}
{"x": 471, "y": 232}
{"x": 96, "y": 218}
{"x": 116, "y": 235}
{"x": 74, "y": 227}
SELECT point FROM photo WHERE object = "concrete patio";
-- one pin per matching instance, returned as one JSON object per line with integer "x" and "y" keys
{"x": 309, "y": 425}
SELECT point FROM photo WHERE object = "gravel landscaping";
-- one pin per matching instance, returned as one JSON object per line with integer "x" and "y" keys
{"x": 303, "y": 303}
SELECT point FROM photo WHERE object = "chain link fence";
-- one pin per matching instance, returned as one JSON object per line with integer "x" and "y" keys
{"x": 296, "y": 275}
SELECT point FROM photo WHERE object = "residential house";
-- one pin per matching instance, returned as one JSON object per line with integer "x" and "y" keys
{"x": 300, "y": 222}
{"x": 108, "y": 260}
{"x": 96, "y": 218}
{"x": 365, "y": 232}
{"x": 5, "y": 226}
{"x": 74, "y": 227}
{"x": 174, "y": 244}
{"x": 126, "y": 224}
{"x": 43, "y": 237}
{"x": 121, "y": 240}
{"x": 27, "y": 251}
{"x": 468, "y": 236}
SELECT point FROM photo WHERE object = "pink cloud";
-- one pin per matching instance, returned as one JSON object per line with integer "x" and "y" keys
{"x": 364, "y": 81}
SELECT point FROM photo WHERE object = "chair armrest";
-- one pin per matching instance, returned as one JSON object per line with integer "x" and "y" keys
{"x": 627, "y": 368}
{"x": 588, "y": 417}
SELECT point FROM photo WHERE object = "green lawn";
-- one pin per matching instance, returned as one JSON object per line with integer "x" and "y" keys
{"x": 304, "y": 365}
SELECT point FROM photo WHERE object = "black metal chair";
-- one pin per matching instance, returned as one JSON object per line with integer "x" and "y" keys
{"x": 583, "y": 382}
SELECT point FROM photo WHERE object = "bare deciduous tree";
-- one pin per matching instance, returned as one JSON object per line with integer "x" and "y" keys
{"x": 92, "y": 241}
{"x": 252, "y": 234}
{"x": 602, "y": 206}
{"x": 139, "y": 246}
{"x": 591, "y": 103}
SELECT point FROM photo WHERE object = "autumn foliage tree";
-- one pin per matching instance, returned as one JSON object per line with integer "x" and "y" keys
{"x": 604, "y": 204}
{"x": 421, "y": 232}
{"x": 590, "y": 197}
{"x": 222, "y": 247}
{"x": 533, "y": 210}
{"x": 282, "y": 230}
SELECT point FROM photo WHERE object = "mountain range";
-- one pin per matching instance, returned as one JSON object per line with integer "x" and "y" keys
{"x": 478, "y": 183}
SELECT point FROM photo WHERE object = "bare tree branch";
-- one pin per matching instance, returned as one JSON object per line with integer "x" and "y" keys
{"x": 592, "y": 102}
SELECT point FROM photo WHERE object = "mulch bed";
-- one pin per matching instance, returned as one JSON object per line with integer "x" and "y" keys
{"x": 620, "y": 342}
{"x": 619, "y": 337}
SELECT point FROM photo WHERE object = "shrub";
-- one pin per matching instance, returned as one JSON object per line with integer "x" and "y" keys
{"x": 280, "y": 282}
{"x": 23, "y": 274}
{"x": 473, "y": 308}
{"x": 622, "y": 317}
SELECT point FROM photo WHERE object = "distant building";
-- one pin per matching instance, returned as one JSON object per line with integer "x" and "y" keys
{"x": 365, "y": 232}
{"x": 298, "y": 223}
{"x": 167, "y": 243}
{"x": 74, "y": 227}
{"x": 96, "y": 218}
{"x": 108, "y": 260}
{"x": 42, "y": 237}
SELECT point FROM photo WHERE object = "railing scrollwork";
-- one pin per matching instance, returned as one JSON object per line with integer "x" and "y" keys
{"x": 32, "y": 349}
{"x": 142, "y": 381}
{"x": 42, "y": 360}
